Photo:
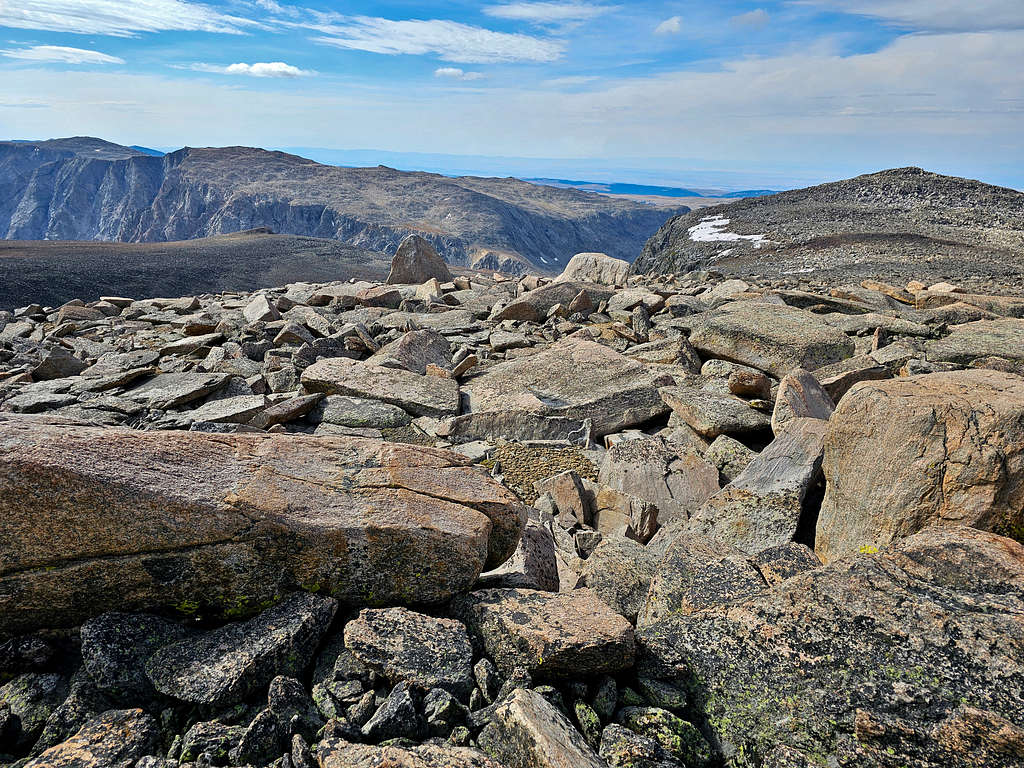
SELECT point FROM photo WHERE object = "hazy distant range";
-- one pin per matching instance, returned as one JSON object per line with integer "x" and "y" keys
{"x": 651, "y": 182}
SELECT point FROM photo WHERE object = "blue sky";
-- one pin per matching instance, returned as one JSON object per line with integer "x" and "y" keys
{"x": 748, "y": 93}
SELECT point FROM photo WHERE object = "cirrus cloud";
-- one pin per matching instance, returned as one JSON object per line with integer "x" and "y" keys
{"x": 547, "y": 12}
{"x": 449, "y": 40}
{"x": 118, "y": 18}
{"x": 672, "y": 26}
{"x": 60, "y": 54}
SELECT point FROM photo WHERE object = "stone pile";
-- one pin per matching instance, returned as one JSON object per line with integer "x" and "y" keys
{"x": 603, "y": 520}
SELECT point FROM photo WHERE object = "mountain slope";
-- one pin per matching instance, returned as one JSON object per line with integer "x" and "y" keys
{"x": 902, "y": 223}
{"x": 86, "y": 189}
{"x": 53, "y": 272}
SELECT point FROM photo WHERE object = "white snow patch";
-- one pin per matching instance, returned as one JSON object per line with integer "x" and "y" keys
{"x": 802, "y": 271}
{"x": 711, "y": 229}
{"x": 544, "y": 260}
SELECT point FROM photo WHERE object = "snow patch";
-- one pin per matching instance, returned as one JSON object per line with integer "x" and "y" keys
{"x": 711, "y": 229}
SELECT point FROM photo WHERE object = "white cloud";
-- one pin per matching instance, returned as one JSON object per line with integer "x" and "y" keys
{"x": 756, "y": 18}
{"x": 257, "y": 69}
{"x": 547, "y": 12}
{"x": 570, "y": 81}
{"x": 60, "y": 54}
{"x": 455, "y": 73}
{"x": 449, "y": 40}
{"x": 935, "y": 15}
{"x": 116, "y": 17}
{"x": 671, "y": 26}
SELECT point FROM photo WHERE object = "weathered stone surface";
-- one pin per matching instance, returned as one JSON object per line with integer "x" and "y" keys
{"x": 518, "y": 425}
{"x": 570, "y": 497}
{"x": 1004, "y": 337}
{"x": 730, "y": 456}
{"x": 775, "y": 339}
{"x": 224, "y": 666}
{"x": 710, "y": 414}
{"x": 528, "y": 732}
{"x": 115, "y": 647}
{"x": 169, "y": 390}
{"x": 115, "y": 739}
{"x": 619, "y": 571}
{"x": 676, "y": 484}
{"x": 697, "y": 573}
{"x": 398, "y": 717}
{"x": 414, "y": 351}
{"x": 260, "y": 309}
{"x": 623, "y": 514}
{"x": 906, "y": 658}
{"x": 785, "y": 561}
{"x": 230, "y": 410}
{"x": 415, "y": 262}
{"x": 576, "y": 379}
{"x": 763, "y": 506}
{"x": 800, "y": 396}
{"x": 96, "y": 519}
{"x": 678, "y": 737}
{"x": 533, "y": 306}
{"x": 406, "y": 646}
{"x": 944, "y": 448}
{"x": 597, "y": 268}
{"x": 56, "y": 364}
{"x": 838, "y": 378}
{"x": 534, "y": 564}
{"x": 345, "y": 411}
{"x": 623, "y": 748}
{"x": 671, "y": 351}
{"x": 417, "y": 394}
{"x": 28, "y": 702}
{"x": 337, "y": 753}
{"x": 567, "y": 634}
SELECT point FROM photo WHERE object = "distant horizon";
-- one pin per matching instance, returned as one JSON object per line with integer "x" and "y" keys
{"x": 739, "y": 93}
{"x": 705, "y": 182}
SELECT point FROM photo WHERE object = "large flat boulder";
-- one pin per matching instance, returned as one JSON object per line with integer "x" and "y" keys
{"x": 910, "y": 657}
{"x": 772, "y": 338}
{"x": 574, "y": 379}
{"x": 417, "y": 394}
{"x": 983, "y": 338}
{"x": 597, "y": 268}
{"x": 944, "y": 448}
{"x": 96, "y": 519}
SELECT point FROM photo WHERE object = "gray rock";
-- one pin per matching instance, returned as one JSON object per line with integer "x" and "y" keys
{"x": 224, "y": 666}
{"x": 534, "y": 306}
{"x": 533, "y": 565}
{"x": 599, "y": 268}
{"x": 214, "y": 738}
{"x": 115, "y": 647}
{"x": 774, "y": 339}
{"x": 260, "y": 309}
{"x": 31, "y": 698}
{"x": 261, "y": 742}
{"x": 710, "y": 414}
{"x": 56, "y": 363}
{"x": 528, "y": 732}
{"x": 405, "y": 646}
{"x": 697, "y": 573}
{"x": 800, "y": 396}
{"x": 763, "y": 506}
{"x": 620, "y": 571}
{"x": 785, "y": 561}
{"x": 415, "y": 262}
{"x": 398, "y": 717}
{"x": 359, "y": 412}
{"x": 414, "y": 351}
{"x": 338, "y": 753}
{"x": 169, "y": 390}
{"x": 623, "y": 748}
{"x": 982, "y": 338}
{"x": 646, "y": 468}
{"x": 416, "y": 394}
{"x": 730, "y": 456}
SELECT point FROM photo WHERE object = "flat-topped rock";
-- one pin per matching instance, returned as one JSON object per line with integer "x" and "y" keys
{"x": 983, "y": 338}
{"x": 772, "y": 338}
{"x": 597, "y": 268}
{"x": 417, "y": 394}
{"x": 556, "y": 635}
{"x": 574, "y": 379}
{"x": 97, "y": 519}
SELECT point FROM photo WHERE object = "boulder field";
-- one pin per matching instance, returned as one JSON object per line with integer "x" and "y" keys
{"x": 465, "y": 520}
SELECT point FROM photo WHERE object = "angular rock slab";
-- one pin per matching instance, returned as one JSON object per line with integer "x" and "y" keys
{"x": 406, "y": 646}
{"x": 984, "y": 338}
{"x": 533, "y": 306}
{"x": 114, "y": 739}
{"x": 875, "y": 660}
{"x": 224, "y": 666}
{"x": 416, "y": 261}
{"x": 943, "y": 448}
{"x": 597, "y": 268}
{"x": 97, "y": 519}
{"x": 575, "y": 379}
{"x": 526, "y": 731}
{"x": 769, "y": 337}
{"x": 558, "y": 635}
{"x": 337, "y": 753}
{"x": 417, "y": 394}
{"x": 763, "y": 506}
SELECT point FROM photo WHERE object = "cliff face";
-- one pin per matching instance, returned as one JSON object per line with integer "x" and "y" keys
{"x": 91, "y": 190}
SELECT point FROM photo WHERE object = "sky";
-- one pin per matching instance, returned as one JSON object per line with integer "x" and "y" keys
{"x": 743, "y": 94}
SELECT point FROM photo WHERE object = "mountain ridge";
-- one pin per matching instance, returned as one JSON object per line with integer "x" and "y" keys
{"x": 88, "y": 189}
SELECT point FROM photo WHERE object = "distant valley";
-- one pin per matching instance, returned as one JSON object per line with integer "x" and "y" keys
{"x": 89, "y": 189}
